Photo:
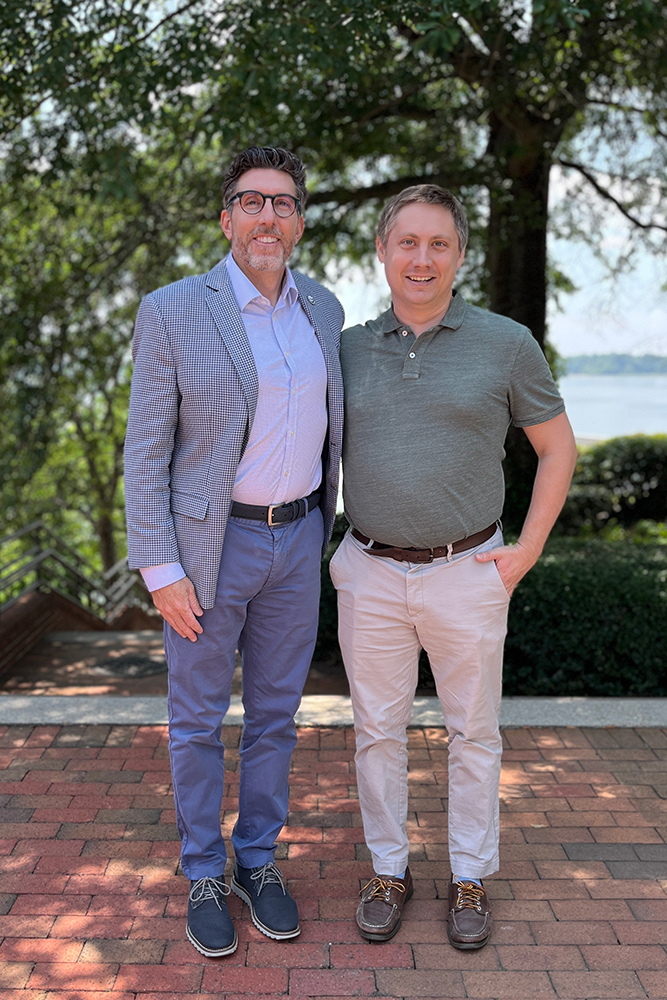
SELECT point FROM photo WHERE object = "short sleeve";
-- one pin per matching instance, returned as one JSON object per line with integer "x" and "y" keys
{"x": 533, "y": 395}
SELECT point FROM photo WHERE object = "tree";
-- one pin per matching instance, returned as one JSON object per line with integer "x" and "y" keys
{"x": 486, "y": 97}
{"x": 73, "y": 268}
{"x": 483, "y": 96}
{"x": 120, "y": 117}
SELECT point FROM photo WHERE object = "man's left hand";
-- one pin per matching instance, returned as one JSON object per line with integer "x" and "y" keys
{"x": 513, "y": 562}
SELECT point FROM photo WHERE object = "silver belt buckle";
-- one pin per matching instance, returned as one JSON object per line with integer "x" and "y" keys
{"x": 272, "y": 507}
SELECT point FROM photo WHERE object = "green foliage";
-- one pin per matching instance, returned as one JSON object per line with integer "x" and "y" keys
{"x": 557, "y": 362}
{"x": 616, "y": 364}
{"x": 590, "y": 619}
{"x": 72, "y": 272}
{"x": 327, "y": 648}
{"x": 118, "y": 119}
{"x": 617, "y": 482}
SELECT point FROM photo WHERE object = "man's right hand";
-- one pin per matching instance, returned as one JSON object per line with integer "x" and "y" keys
{"x": 178, "y": 605}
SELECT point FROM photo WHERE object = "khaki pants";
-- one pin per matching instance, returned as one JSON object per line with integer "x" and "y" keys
{"x": 456, "y": 611}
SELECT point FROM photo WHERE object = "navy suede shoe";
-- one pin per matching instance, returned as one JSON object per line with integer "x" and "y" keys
{"x": 272, "y": 909}
{"x": 210, "y": 928}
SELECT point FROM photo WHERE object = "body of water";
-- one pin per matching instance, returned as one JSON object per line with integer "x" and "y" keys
{"x": 605, "y": 406}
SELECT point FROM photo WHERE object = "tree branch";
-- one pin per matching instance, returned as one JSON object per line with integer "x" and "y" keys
{"x": 385, "y": 189}
{"x": 608, "y": 196}
{"x": 617, "y": 105}
{"x": 12, "y": 125}
{"x": 169, "y": 17}
{"x": 380, "y": 109}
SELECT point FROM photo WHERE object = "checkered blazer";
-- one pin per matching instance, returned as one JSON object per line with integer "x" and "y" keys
{"x": 194, "y": 395}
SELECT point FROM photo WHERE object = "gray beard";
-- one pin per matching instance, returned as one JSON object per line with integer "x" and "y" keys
{"x": 265, "y": 263}
{"x": 259, "y": 261}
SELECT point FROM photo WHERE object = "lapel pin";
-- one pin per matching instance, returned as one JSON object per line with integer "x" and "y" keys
{"x": 311, "y": 300}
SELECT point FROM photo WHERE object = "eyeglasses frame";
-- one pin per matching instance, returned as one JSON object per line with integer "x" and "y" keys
{"x": 266, "y": 197}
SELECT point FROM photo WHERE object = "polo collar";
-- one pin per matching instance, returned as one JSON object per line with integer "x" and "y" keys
{"x": 452, "y": 320}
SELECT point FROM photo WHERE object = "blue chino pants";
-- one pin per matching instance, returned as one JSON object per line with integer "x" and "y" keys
{"x": 267, "y": 603}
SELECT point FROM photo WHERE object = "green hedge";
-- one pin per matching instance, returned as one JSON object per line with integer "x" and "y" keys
{"x": 327, "y": 648}
{"x": 589, "y": 619}
{"x": 620, "y": 481}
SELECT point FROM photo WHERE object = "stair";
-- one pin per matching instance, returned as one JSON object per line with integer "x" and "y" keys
{"x": 46, "y": 586}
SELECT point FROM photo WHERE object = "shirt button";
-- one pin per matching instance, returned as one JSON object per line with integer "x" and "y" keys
{"x": 287, "y": 473}
{"x": 291, "y": 434}
{"x": 412, "y": 354}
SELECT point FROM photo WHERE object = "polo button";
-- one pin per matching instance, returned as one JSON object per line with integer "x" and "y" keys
{"x": 405, "y": 333}
{"x": 412, "y": 355}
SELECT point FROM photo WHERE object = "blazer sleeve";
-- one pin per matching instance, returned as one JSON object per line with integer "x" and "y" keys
{"x": 149, "y": 443}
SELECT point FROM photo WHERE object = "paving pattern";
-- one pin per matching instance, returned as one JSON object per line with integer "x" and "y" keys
{"x": 92, "y": 907}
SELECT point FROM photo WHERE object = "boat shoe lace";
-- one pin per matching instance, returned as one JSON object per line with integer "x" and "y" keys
{"x": 381, "y": 887}
{"x": 469, "y": 896}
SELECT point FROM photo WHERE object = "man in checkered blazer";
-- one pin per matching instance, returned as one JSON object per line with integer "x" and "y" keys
{"x": 231, "y": 476}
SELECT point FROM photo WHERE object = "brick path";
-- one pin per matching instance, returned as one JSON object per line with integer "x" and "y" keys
{"x": 92, "y": 907}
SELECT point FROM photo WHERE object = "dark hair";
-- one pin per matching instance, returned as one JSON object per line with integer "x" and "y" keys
{"x": 428, "y": 194}
{"x": 265, "y": 158}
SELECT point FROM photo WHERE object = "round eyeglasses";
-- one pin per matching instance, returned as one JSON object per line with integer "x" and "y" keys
{"x": 252, "y": 203}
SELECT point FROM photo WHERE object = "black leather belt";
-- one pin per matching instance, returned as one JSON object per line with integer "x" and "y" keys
{"x": 276, "y": 513}
{"x": 427, "y": 555}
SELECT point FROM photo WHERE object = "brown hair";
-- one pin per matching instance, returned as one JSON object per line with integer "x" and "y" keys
{"x": 427, "y": 194}
{"x": 265, "y": 158}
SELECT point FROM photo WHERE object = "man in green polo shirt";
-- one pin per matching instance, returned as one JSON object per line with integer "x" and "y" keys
{"x": 431, "y": 387}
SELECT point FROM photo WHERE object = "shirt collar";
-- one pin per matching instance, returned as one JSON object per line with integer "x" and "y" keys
{"x": 452, "y": 320}
{"x": 245, "y": 292}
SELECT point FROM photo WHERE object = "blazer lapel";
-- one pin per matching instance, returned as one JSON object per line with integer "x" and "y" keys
{"x": 330, "y": 358}
{"x": 224, "y": 309}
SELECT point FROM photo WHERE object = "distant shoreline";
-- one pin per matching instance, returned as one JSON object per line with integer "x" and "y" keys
{"x": 616, "y": 364}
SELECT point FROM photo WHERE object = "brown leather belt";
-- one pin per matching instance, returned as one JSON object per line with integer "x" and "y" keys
{"x": 427, "y": 555}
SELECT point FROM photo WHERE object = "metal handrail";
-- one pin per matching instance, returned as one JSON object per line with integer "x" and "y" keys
{"x": 60, "y": 569}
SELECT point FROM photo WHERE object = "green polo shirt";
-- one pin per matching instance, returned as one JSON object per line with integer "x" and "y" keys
{"x": 426, "y": 419}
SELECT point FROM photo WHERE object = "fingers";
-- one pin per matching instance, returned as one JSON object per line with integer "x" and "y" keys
{"x": 178, "y": 605}
{"x": 195, "y": 606}
{"x": 491, "y": 554}
{"x": 185, "y": 623}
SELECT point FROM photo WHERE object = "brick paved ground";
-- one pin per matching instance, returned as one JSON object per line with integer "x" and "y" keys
{"x": 92, "y": 907}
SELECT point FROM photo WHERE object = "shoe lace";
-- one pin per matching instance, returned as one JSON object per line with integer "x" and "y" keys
{"x": 469, "y": 895}
{"x": 381, "y": 888}
{"x": 208, "y": 888}
{"x": 269, "y": 873}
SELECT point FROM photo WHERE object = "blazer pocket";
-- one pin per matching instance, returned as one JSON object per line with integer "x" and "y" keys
{"x": 189, "y": 504}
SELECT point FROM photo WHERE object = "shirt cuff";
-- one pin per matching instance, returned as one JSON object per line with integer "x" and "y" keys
{"x": 161, "y": 576}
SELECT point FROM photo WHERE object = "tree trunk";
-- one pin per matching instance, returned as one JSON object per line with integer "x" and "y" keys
{"x": 517, "y": 263}
{"x": 105, "y": 535}
{"x": 517, "y": 247}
